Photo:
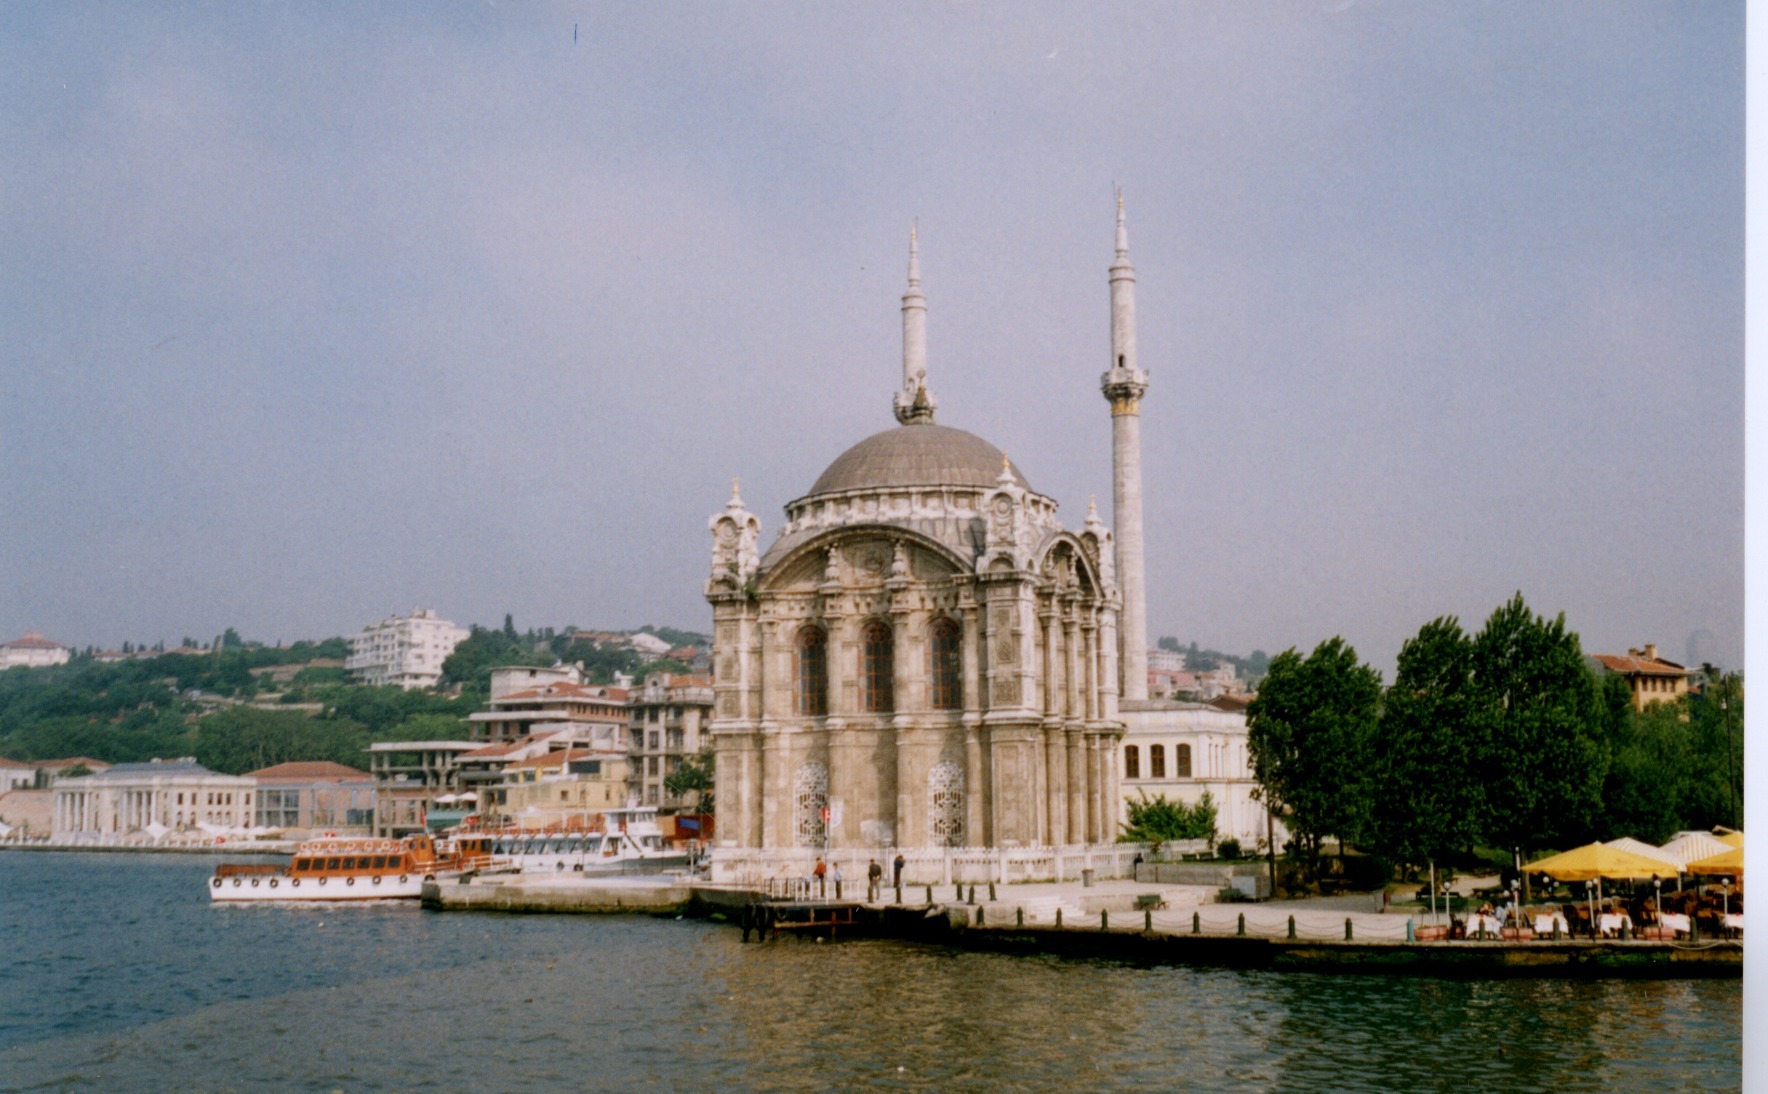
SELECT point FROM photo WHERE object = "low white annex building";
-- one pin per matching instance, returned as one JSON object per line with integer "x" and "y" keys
{"x": 404, "y": 650}
{"x": 32, "y": 651}
{"x": 1183, "y": 750}
{"x": 150, "y": 799}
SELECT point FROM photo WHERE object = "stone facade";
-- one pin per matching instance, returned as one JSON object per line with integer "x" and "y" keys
{"x": 924, "y": 660}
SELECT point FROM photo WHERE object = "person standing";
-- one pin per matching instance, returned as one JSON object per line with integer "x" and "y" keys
{"x": 821, "y": 874}
{"x": 874, "y": 876}
{"x": 898, "y": 865}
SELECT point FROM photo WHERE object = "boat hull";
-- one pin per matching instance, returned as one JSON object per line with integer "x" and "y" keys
{"x": 263, "y": 890}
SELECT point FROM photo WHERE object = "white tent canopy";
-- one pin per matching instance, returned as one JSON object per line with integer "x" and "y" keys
{"x": 1640, "y": 847}
{"x": 1688, "y": 847}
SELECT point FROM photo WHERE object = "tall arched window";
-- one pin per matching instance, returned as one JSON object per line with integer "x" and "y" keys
{"x": 1157, "y": 761}
{"x": 1132, "y": 762}
{"x": 1182, "y": 761}
{"x": 878, "y": 668}
{"x": 947, "y": 675}
{"x": 812, "y": 685}
{"x": 945, "y": 801}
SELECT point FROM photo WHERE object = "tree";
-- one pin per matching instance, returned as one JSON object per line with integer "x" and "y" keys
{"x": 1543, "y": 753}
{"x": 1308, "y": 732}
{"x": 694, "y": 776}
{"x": 1425, "y": 799}
{"x": 241, "y": 739}
{"x": 1649, "y": 773}
{"x": 1156, "y": 820}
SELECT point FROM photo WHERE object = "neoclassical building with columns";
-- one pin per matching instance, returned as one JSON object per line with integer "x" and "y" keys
{"x": 924, "y": 662}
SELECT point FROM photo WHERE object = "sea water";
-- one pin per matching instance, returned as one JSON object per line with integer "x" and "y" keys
{"x": 118, "y": 974}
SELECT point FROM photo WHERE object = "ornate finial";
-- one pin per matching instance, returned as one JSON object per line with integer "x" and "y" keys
{"x": 736, "y": 495}
{"x": 1005, "y": 478}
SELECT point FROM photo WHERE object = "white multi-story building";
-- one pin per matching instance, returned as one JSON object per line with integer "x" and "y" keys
{"x": 150, "y": 799}
{"x": 1183, "y": 749}
{"x": 32, "y": 651}
{"x": 406, "y": 650}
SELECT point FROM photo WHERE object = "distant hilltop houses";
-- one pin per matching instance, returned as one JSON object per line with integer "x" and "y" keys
{"x": 33, "y": 651}
{"x": 406, "y": 651}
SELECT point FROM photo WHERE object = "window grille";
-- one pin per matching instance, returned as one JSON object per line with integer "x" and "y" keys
{"x": 810, "y": 792}
{"x": 945, "y": 786}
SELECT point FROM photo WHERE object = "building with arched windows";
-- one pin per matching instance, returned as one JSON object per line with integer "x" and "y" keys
{"x": 924, "y": 662}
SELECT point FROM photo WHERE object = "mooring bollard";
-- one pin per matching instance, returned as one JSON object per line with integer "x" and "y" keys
{"x": 1410, "y": 937}
{"x": 899, "y": 892}
{"x": 972, "y": 894}
{"x": 991, "y": 894}
{"x": 958, "y": 891}
{"x": 1104, "y": 920}
{"x": 1148, "y": 919}
{"x": 1291, "y": 926}
{"x": 1626, "y": 932}
{"x": 929, "y": 894}
{"x": 1556, "y": 928}
{"x": 1241, "y": 929}
{"x": 1058, "y": 916}
{"x": 979, "y": 911}
{"x": 1347, "y": 928}
{"x": 1021, "y": 917}
{"x": 1196, "y": 923}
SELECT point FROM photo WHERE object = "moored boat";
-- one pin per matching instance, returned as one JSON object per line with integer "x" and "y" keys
{"x": 624, "y": 841}
{"x": 334, "y": 868}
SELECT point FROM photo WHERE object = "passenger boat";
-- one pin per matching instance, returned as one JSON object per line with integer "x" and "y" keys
{"x": 628, "y": 841}
{"x": 334, "y": 868}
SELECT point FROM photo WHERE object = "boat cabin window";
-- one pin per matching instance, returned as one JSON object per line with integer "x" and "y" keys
{"x": 331, "y": 864}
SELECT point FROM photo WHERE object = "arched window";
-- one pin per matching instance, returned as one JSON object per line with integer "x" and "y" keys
{"x": 812, "y": 688}
{"x": 1182, "y": 761}
{"x": 878, "y": 668}
{"x": 1157, "y": 761}
{"x": 1132, "y": 762}
{"x": 947, "y": 675}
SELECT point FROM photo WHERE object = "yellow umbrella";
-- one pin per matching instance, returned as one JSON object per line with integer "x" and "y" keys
{"x": 1599, "y": 860}
{"x": 1735, "y": 839}
{"x": 1727, "y": 862}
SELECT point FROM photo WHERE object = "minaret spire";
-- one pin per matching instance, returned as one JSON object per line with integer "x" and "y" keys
{"x": 1123, "y": 384}
{"x": 914, "y": 404}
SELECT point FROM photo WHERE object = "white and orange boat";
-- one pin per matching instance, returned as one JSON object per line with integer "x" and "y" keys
{"x": 339, "y": 868}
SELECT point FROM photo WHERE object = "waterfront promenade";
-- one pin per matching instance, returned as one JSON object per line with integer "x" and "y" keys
{"x": 1118, "y": 919}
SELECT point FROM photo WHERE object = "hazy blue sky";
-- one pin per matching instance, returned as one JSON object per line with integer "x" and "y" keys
{"x": 313, "y": 313}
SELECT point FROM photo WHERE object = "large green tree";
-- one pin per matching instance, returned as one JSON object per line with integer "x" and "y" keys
{"x": 1426, "y": 797}
{"x": 1309, "y": 732}
{"x": 1544, "y": 752}
{"x": 242, "y": 739}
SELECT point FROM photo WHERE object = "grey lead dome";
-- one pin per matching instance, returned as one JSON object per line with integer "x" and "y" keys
{"x": 915, "y": 455}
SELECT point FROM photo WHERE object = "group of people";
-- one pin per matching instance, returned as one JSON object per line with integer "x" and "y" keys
{"x": 823, "y": 873}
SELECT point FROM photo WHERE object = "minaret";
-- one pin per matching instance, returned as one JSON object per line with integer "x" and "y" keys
{"x": 1123, "y": 386}
{"x": 914, "y": 404}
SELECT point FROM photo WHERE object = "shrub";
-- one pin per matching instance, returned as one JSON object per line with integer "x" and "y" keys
{"x": 1229, "y": 849}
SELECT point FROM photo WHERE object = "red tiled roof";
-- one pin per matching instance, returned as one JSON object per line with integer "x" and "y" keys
{"x": 1231, "y": 703}
{"x": 4, "y": 762}
{"x": 1639, "y": 666}
{"x": 32, "y": 641}
{"x": 73, "y": 761}
{"x": 309, "y": 771}
{"x": 563, "y": 690}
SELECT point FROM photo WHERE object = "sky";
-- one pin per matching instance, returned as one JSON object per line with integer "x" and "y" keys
{"x": 312, "y": 314}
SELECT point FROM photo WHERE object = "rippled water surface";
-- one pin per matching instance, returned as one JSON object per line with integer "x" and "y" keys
{"x": 118, "y": 975}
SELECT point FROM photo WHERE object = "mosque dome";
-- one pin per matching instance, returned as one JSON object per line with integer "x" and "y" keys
{"x": 917, "y": 455}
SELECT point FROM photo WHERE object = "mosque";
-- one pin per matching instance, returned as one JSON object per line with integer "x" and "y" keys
{"x": 925, "y": 662}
